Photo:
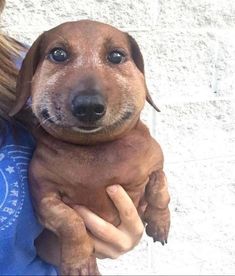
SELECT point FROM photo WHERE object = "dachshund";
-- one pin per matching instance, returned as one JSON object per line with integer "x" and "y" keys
{"x": 85, "y": 81}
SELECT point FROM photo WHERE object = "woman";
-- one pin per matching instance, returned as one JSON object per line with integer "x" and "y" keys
{"x": 18, "y": 225}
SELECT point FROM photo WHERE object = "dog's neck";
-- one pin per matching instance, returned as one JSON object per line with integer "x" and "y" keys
{"x": 72, "y": 137}
{"x": 41, "y": 134}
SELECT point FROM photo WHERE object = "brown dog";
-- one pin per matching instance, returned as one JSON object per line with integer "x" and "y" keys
{"x": 87, "y": 84}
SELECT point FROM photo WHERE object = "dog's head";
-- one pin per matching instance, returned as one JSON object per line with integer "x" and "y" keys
{"x": 86, "y": 82}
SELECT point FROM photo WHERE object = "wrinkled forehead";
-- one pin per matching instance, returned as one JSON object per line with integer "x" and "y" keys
{"x": 86, "y": 34}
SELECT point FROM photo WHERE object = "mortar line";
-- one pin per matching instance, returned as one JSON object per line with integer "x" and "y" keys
{"x": 214, "y": 76}
{"x": 196, "y": 100}
{"x": 231, "y": 158}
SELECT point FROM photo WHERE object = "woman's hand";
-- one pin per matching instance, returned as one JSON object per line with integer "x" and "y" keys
{"x": 111, "y": 241}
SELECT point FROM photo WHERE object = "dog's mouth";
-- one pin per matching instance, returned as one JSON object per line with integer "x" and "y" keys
{"x": 86, "y": 129}
{"x": 90, "y": 128}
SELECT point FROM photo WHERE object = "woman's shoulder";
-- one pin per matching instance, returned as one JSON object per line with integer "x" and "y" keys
{"x": 18, "y": 59}
{"x": 18, "y": 224}
{"x": 15, "y": 154}
{"x": 15, "y": 134}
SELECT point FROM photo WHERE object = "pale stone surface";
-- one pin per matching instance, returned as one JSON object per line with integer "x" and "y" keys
{"x": 189, "y": 50}
{"x": 196, "y": 14}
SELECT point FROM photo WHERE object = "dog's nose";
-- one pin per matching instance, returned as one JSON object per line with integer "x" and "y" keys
{"x": 88, "y": 108}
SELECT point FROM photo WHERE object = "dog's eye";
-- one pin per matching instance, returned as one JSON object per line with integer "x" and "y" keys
{"x": 58, "y": 55}
{"x": 116, "y": 57}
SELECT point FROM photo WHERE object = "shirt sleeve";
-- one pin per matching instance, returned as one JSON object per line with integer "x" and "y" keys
{"x": 18, "y": 61}
{"x": 18, "y": 224}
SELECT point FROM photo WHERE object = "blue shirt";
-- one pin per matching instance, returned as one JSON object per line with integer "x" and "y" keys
{"x": 18, "y": 224}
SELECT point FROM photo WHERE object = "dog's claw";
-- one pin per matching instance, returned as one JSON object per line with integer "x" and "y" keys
{"x": 158, "y": 233}
{"x": 162, "y": 241}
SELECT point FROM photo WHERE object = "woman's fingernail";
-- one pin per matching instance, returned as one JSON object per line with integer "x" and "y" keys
{"x": 112, "y": 189}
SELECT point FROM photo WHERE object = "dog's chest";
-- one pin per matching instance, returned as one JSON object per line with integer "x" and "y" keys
{"x": 81, "y": 173}
{"x": 125, "y": 162}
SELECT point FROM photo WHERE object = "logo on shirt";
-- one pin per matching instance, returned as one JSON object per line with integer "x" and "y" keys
{"x": 14, "y": 162}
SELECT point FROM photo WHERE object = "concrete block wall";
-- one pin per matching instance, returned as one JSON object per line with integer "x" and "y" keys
{"x": 189, "y": 51}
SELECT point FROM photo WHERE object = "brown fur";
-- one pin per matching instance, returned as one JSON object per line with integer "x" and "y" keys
{"x": 73, "y": 162}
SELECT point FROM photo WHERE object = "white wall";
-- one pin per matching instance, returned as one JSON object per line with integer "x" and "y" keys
{"x": 189, "y": 50}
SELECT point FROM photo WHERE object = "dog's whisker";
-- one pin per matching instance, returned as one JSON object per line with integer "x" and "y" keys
{"x": 45, "y": 121}
{"x": 27, "y": 82}
{"x": 48, "y": 119}
{"x": 28, "y": 107}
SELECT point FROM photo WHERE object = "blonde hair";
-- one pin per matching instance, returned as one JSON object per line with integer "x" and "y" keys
{"x": 9, "y": 52}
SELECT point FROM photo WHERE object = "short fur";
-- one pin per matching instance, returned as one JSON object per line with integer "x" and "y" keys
{"x": 77, "y": 162}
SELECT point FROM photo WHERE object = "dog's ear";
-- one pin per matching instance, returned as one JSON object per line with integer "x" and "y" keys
{"x": 28, "y": 68}
{"x": 139, "y": 62}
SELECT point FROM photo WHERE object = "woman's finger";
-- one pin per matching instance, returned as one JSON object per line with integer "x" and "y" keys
{"x": 130, "y": 220}
{"x": 100, "y": 228}
{"x": 110, "y": 250}
{"x": 106, "y": 250}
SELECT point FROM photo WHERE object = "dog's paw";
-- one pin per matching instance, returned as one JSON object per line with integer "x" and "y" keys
{"x": 159, "y": 232}
{"x": 158, "y": 223}
{"x": 87, "y": 267}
